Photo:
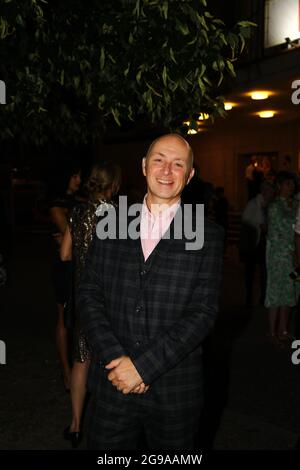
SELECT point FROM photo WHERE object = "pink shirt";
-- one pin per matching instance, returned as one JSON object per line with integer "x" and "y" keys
{"x": 153, "y": 227}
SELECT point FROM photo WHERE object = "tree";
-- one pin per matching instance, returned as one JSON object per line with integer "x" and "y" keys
{"x": 72, "y": 68}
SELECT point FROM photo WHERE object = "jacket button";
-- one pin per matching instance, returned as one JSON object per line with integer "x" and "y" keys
{"x": 143, "y": 273}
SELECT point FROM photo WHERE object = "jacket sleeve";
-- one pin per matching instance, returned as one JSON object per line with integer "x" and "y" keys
{"x": 168, "y": 349}
{"x": 91, "y": 308}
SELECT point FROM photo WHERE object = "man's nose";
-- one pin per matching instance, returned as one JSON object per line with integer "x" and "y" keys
{"x": 167, "y": 168}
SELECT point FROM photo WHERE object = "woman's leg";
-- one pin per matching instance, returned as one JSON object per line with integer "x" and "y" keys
{"x": 283, "y": 321}
{"x": 273, "y": 316}
{"x": 62, "y": 346}
{"x": 78, "y": 392}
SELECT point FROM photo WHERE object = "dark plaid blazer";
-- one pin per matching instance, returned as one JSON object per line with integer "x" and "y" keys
{"x": 157, "y": 312}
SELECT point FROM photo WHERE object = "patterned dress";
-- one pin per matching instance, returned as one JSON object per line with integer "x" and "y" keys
{"x": 281, "y": 289}
{"x": 83, "y": 223}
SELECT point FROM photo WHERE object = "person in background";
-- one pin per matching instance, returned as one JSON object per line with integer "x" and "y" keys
{"x": 282, "y": 292}
{"x": 252, "y": 245}
{"x": 253, "y": 177}
{"x": 102, "y": 185}
{"x": 221, "y": 206}
{"x": 59, "y": 210}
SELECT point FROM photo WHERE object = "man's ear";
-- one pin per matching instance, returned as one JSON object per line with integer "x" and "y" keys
{"x": 144, "y": 166}
{"x": 192, "y": 172}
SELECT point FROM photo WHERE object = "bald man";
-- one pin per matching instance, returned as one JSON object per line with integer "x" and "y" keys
{"x": 147, "y": 303}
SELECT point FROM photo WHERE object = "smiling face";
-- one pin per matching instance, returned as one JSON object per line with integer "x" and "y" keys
{"x": 167, "y": 168}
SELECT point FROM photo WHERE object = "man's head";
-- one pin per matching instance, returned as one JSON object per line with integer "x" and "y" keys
{"x": 168, "y": 168}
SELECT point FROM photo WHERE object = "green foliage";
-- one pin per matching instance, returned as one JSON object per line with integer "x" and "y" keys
{"x": 71, "y": 68}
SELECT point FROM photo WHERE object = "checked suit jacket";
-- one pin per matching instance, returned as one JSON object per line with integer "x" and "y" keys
{"x": 156, "y": 312}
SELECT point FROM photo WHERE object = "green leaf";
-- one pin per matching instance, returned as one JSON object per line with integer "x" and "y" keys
{"x": 101, "y": 101}
{"x": 136, "y": 11}
{"x": 116, "y": 116}
{"x": 172, "y": 55}
{"x": 220, "y": 79}
{"x": 202, "y": 21}
{"x": 246, "y": 24}
{"x": 202, "y": 71}
{"x": 201, "y": 86}
{"x": 112, "y": 59}
{"x": 127, "y": 70}
{"x": 183, "y": 28}
{"x": 153, "y": 90}
{"x": 230, "y": 68}
{"x": 164, "y": 75}
{"x": 138, "y": 76}
{"x": 242, "y": 42}
{"x": 102, "y": 58}
{"x": 165, "y": 10}
{"x": 130, "y": 113}
{"x": 207, "y": 80}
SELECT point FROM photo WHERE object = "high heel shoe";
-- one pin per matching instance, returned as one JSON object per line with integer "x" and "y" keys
{"x": 74, "y": 437}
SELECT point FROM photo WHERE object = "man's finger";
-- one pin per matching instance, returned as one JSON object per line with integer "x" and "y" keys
{"x": 114, "y": 363}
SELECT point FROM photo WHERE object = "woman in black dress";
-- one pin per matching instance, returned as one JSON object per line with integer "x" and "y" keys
{"x": 60, "y": 208}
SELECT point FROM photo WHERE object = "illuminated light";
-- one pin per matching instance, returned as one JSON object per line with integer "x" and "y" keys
{"x": 203, "y": 116}
{"x": 228, "y": 106}
{"x": 192, "y": 131}
{"x": 186, "y": 123}
{"x": 266, "y": 114}
{"x": 260, "y": 95}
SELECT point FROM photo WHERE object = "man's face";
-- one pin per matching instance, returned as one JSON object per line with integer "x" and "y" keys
{"x": 167, "y": 169}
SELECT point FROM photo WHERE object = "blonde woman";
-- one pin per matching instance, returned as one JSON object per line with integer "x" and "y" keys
{"x": 103, "y": 183}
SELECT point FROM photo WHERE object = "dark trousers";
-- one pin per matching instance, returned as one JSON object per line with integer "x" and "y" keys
{"x": 255, "y": 259}
{"x": 121, "y": 428}
{"x": 251, "y": 266}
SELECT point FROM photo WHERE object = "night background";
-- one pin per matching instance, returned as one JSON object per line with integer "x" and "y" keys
{"x": 85, "y": 82}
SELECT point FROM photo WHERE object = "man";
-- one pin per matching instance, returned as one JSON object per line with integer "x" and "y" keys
{"x": 146, "y": 306}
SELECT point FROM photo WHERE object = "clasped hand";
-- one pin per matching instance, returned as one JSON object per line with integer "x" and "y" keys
{"x": 124, "y": 376}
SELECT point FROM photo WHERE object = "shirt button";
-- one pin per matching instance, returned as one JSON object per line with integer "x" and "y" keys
{"x": 138, "y": 308}
{"x": 137, "y": 343}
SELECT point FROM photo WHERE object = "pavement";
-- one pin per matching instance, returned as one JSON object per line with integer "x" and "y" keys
{"x": 252, "y": 387}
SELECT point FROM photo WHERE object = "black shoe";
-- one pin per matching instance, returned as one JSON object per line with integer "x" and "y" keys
{"x": 74, "y": 437}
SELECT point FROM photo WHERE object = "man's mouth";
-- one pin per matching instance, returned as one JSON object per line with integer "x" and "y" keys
{"x": 161, "y": 181}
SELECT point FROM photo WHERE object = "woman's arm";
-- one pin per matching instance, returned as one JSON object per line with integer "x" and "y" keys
{"x": 66, "y": 246}
{"x": 59, "y": 219}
